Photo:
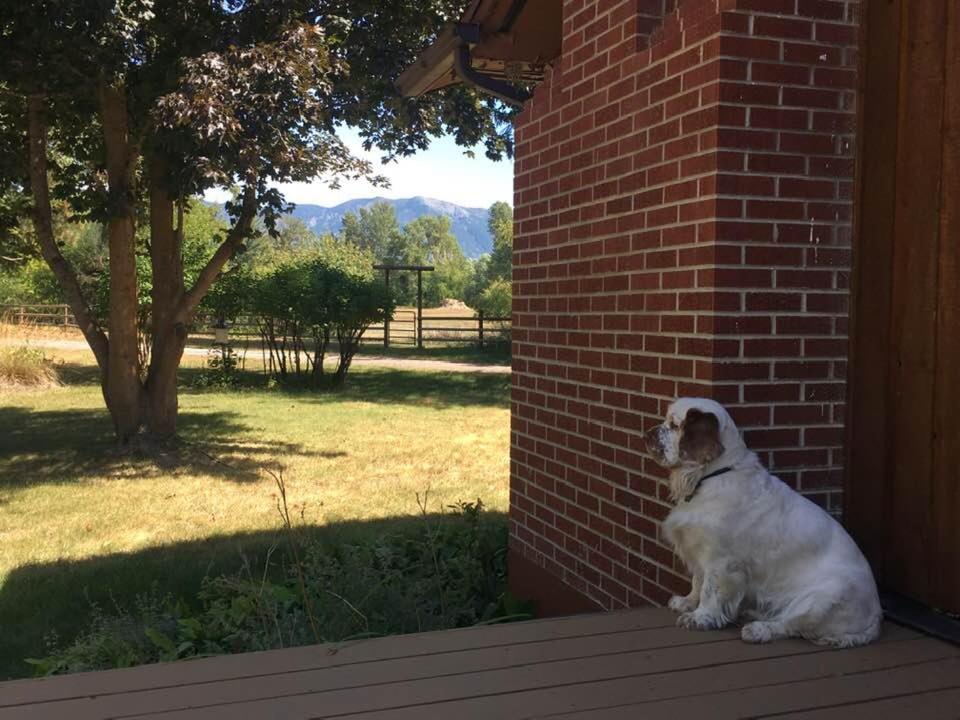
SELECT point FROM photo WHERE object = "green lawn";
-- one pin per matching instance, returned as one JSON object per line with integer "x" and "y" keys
{"x": 80, "y": 522}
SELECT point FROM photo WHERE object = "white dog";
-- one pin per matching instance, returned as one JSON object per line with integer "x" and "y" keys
{"x": 757, "y": 550}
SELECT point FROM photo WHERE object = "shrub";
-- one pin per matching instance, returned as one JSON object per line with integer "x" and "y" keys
{"x": 118, "y": 639}
{"x": 496, "y": 299}
{"x": 229, "y": 297}
{"x": 495, "y": 302}
{"x": 33, "y": 282}
{"x": 443, "y": 573}
{"x": 14, "y": 289}
{"x": 304, "y": 305}
{"x": 223, "y": 368}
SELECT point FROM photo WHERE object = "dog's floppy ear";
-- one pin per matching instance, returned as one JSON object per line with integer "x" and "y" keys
{"x": 700, "y": 437}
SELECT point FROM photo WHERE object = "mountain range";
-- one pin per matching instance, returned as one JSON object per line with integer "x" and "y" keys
{"x": 469, "y": 225}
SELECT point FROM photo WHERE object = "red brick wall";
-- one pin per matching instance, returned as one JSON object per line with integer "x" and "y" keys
{"x": 682, "y": 228}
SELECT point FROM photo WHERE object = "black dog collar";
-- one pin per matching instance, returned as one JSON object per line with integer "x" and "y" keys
{"x": 696, "y": 487}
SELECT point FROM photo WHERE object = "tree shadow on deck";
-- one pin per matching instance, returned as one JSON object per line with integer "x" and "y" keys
{"x": 37, "y": 600}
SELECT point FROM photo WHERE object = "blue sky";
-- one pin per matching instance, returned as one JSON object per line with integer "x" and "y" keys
{"x": 442, "y": 172}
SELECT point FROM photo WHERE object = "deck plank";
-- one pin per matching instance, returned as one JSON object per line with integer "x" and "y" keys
{"x": 499, "y": 692}
{"x": 642, "y": 692}
{"x": 606, "y": 665}
{"x": 251, "y": 665}
{"x": 777, "y": 700}
{"x": 528, "y": 658}
{"x": 933, "y": 705}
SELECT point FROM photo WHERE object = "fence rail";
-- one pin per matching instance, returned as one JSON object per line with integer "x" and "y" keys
{"x": 46, "y": 315}
{"x": 403, "y": 329}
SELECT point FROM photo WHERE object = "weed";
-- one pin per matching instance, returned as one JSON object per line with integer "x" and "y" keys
{"x": 444, "y": 573}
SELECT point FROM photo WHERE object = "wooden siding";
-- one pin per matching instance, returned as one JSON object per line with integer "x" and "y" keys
{"x": 903, "y": 481}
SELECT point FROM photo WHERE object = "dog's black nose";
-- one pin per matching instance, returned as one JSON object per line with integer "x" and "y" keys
{"x": 652, "y": 439}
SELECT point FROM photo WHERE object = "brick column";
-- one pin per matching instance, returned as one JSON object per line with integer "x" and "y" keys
{"x": 682, "y": 227}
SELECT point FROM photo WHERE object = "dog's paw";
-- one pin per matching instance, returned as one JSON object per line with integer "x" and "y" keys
{"x": 682, "y": 604}
{"x": 758, "y": 632}
{"x": 698, "y": 620}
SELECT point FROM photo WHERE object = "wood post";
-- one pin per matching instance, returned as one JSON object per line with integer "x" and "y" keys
{"x": 386, "y": 320}
{"x": 66, "y": 316}
{"x": 480, "y": 315}
{"x": 418, "y": 326}
{"x": 420, "y": 309}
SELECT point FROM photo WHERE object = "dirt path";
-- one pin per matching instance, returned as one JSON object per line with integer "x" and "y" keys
{"x": 425, "y": 365}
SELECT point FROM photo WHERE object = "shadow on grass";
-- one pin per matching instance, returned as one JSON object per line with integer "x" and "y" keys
{"x": 37, "y": 600}
{"x": 43, "y": 446}
{"x": 364, "y": 384}
{"x": 56, "y": 446}
{"x": 418, "y": 388}
{"x": 386, "y": 386}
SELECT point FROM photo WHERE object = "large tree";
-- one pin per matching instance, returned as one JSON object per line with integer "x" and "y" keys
{"x": 429, "y": 240}
{"x": 374, "y": 229}
{"x": 126, "y": 108}
{"x": 500, "y": 223}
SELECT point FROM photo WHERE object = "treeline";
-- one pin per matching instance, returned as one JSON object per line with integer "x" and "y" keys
{"x": 371, "y": 236}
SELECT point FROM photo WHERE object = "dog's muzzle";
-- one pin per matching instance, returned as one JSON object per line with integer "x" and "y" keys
{"x": 654, "y": 440}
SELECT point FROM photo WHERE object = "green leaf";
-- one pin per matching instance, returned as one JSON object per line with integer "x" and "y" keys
{"x": 160, "y": 640}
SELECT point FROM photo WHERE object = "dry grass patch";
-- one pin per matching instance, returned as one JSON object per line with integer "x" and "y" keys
{"x": 22, "y": 363}
{"x": 26, "y": 367}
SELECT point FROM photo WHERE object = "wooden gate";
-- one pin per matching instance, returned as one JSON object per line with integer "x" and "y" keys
{"x": 902, "y": 500}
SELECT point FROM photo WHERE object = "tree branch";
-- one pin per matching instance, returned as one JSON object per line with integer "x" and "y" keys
{"x": 43, "y": 225}
{"x": 238, "y": 233}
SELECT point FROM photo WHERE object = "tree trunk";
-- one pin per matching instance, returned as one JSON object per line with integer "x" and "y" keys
{"x": 169, "y": 329}
{"x": 123, "y": 389}
{"x": 162, "y": 402}
{"x": 173, "y": 307}
{"x": 43, "y": 226}
{"x": 133, "y": 404}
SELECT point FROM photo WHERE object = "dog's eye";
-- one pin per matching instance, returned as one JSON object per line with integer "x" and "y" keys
{"x": 673, "y": 425}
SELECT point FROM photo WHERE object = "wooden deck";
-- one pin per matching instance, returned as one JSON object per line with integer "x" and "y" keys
{"x": 632, "y": 664}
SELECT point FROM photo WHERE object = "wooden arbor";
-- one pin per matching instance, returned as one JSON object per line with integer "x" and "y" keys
{"x": 420, "y": 270}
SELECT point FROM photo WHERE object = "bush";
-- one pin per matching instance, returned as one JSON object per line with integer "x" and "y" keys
{"x": 304, "y": 305}
{"x": 118, "y": 639}
{"x": 24, "y": 366}
{"x": 229, "y": 297}
{"x": 14, "y": 289}
{"x": 32, "y": 283}
{"x": 496, "y": 299}
{"x": 449, "y": 573}
{"x": 495, "y": 302}
{"x": 444, "y": 573}
{"x": 223, "y": 368}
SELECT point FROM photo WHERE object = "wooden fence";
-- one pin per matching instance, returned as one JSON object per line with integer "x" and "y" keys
{"x": 44, "y": 315}
{"x": 403, "y": 330}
